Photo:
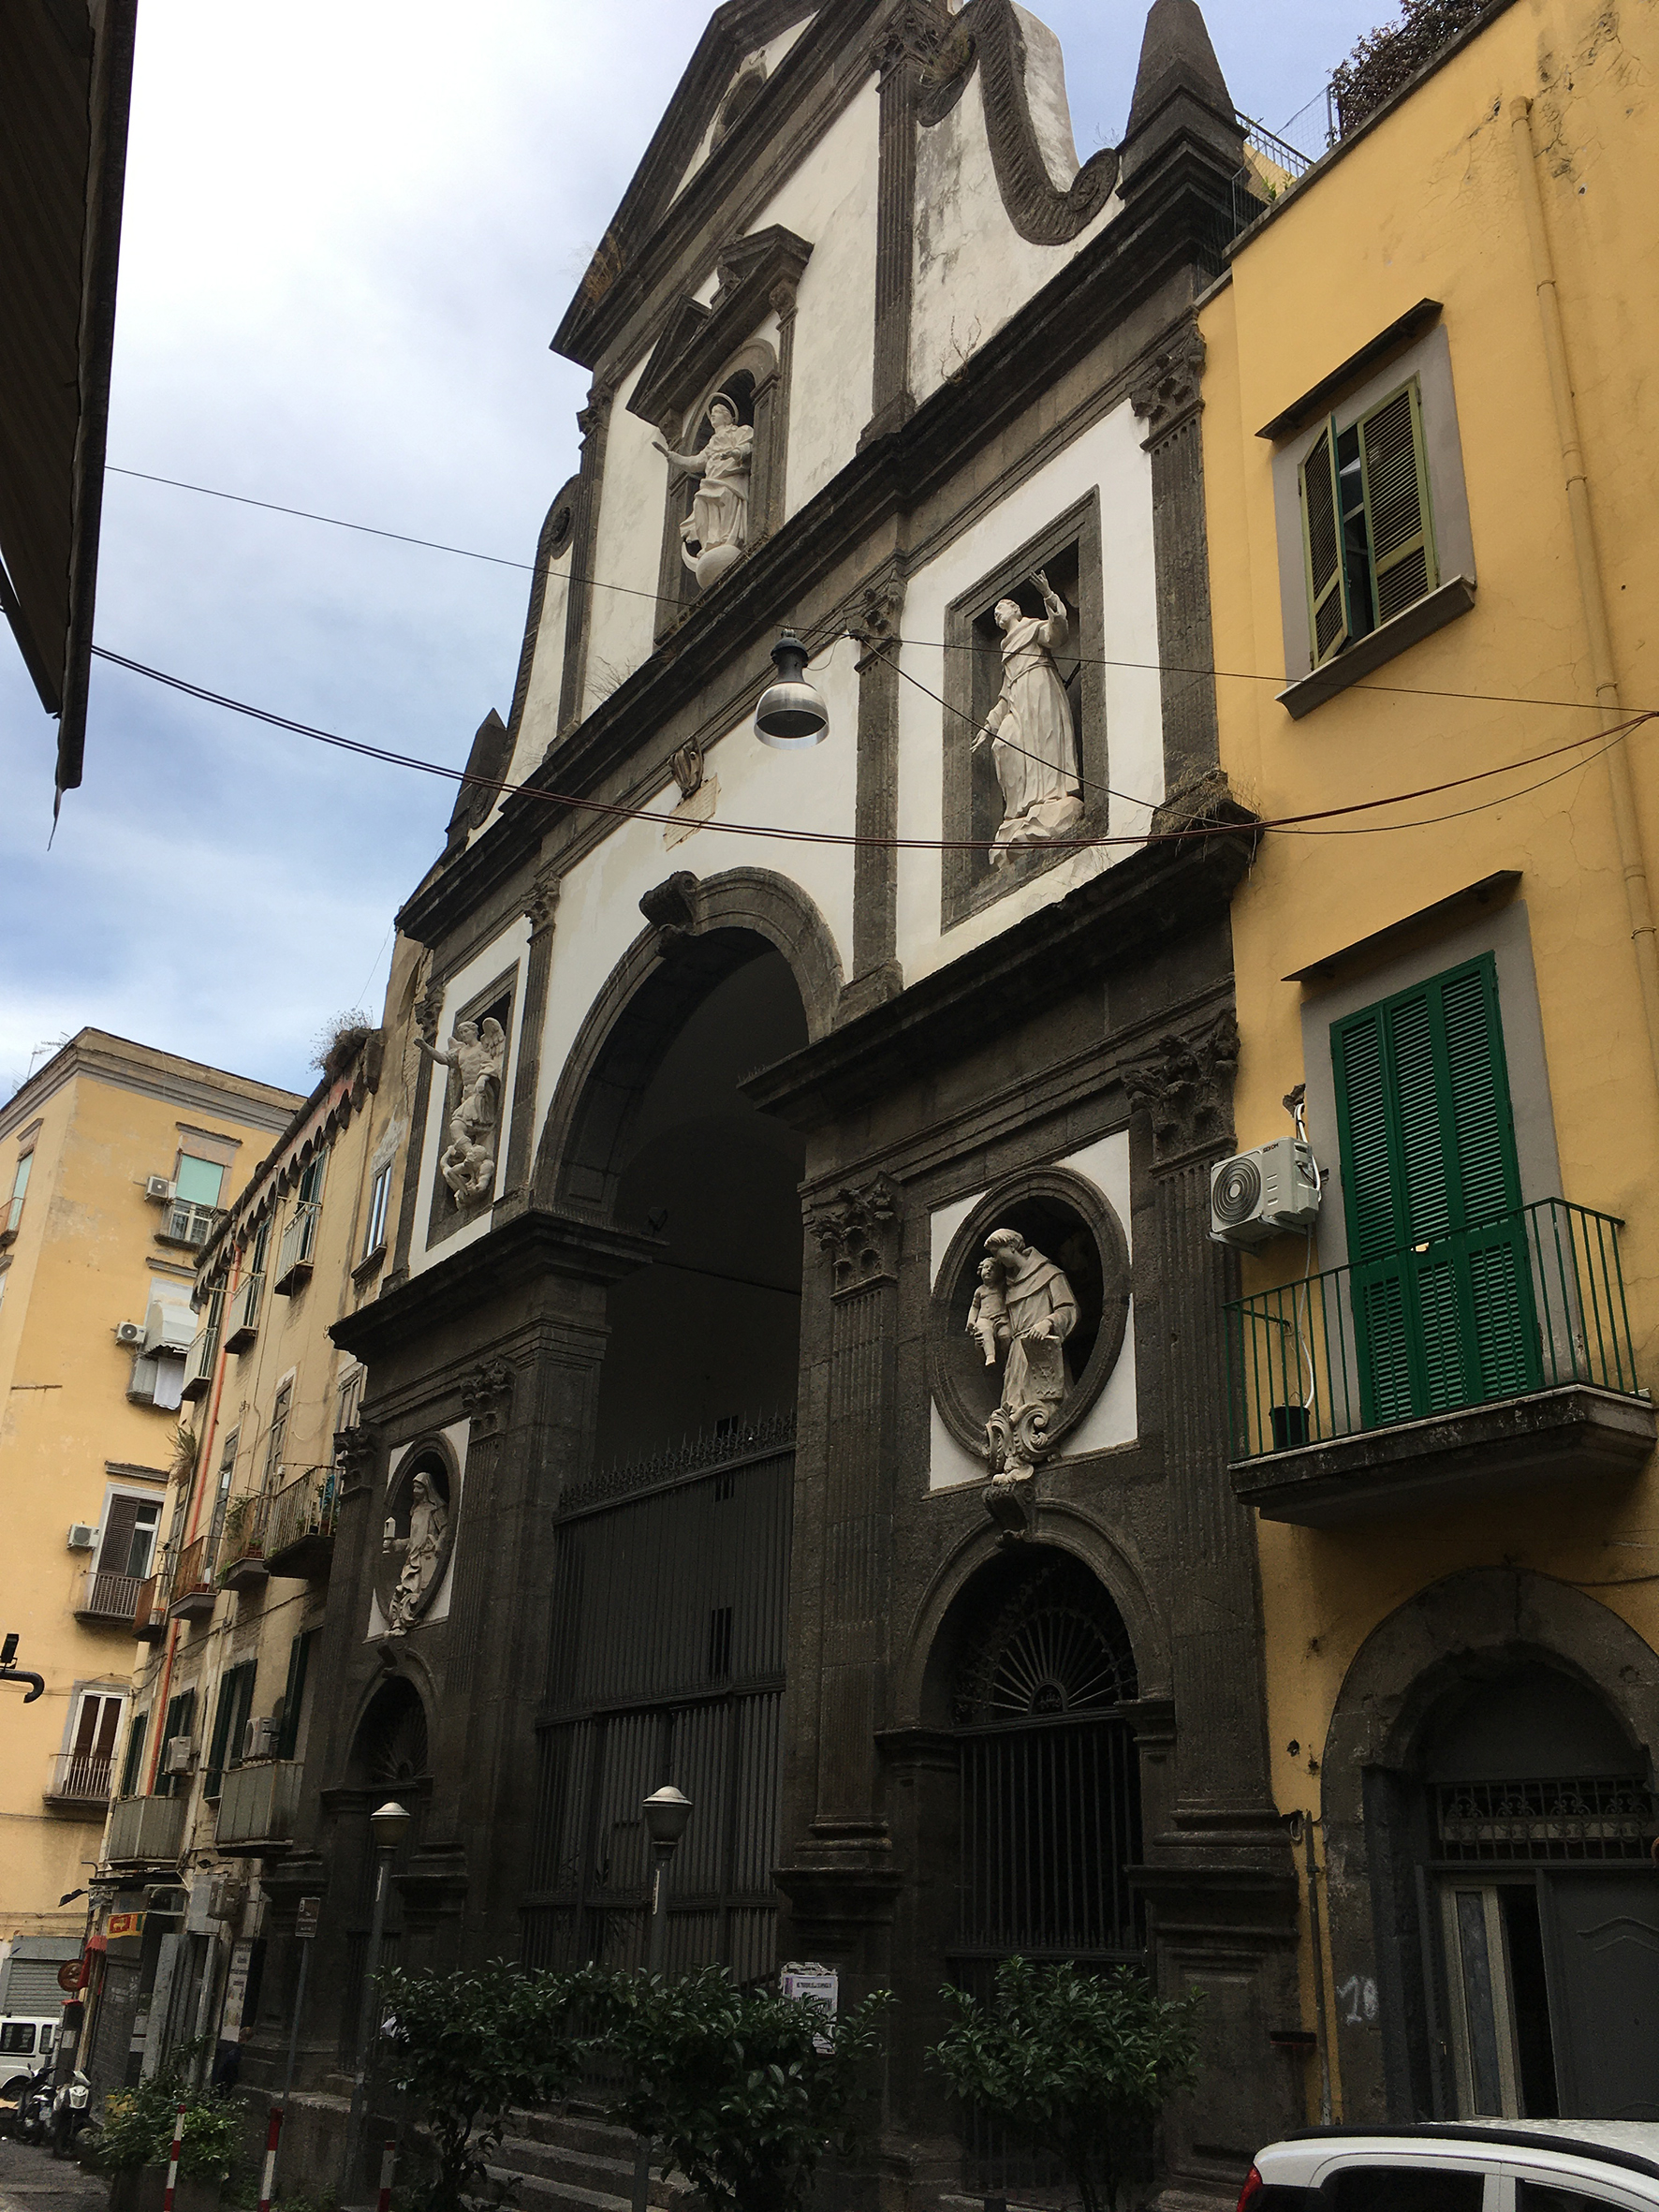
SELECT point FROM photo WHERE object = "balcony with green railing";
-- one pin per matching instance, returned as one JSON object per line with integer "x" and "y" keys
{"x": 300, "y": 1526}
{"x": 1467, "y": 1364}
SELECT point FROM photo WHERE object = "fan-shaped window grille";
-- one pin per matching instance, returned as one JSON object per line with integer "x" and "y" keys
{"x": 1057, "y": 1647}
{"x": 391, "y": 1743}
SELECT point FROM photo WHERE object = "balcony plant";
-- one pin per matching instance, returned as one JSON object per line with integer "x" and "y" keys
{"x": 1074, "y": 2064}
{"x": 241, "y": 1529}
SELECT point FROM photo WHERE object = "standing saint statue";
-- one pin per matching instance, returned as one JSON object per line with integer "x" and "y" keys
{"x": 1039, "y": 1313}
{"x": 1033, "y": 743}
{"x": 475, "y": 1059}
{"x": 717, "y": 526}
{"x": 429, "y": 1517}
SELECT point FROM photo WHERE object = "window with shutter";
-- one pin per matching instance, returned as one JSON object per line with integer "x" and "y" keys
{"x": 133, "y": 1764}
{"x": 230, "y": 1720}
{"x": 1368, "y": 539}
{"x": 119, "y": 1525}
{"x": 294, "y": 1695}
{"x": 1441, "y": 1287}
{"x": 180, "y": 1712}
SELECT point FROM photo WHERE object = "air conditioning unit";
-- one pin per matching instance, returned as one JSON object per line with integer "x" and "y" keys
{"x": 259, "y": 1739}
{"x": 82, "y": 1536}
{"x": 227, "y": 1898}
{"x": 1257, "y": 1195}
{"x": 129, "y": 1333}
{"x": 158, "y": 1190}
{"x": 180, "y": 1755}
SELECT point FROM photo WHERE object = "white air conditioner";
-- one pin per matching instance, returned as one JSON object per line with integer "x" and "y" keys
{"x": 158, "y": 1190}
{"x": 82, "y": 1536}
{"x": 1257, "y": 1195}
{"x": 129, "y": 1333}
{"x": 180, "y": 1755}
{"x": 260, "y": 1737}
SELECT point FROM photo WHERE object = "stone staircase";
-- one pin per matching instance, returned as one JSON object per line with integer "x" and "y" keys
{"x": 567, "y": 2163}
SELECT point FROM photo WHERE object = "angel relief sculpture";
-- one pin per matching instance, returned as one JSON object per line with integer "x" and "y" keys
{"x": 714, "y": 533}
{"x": 476, "y": 1060}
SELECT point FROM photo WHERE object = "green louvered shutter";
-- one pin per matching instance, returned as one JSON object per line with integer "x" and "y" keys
{"x": 222, "y": 1712}
{"x": 1395, "y": 473}
{"x": 1442, "y": 1289}
{"x": 1322, "y": 549}
{"x": 135, "y": 1754}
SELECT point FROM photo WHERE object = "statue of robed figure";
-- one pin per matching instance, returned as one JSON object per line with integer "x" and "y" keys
{"x": 1029, "y": 730}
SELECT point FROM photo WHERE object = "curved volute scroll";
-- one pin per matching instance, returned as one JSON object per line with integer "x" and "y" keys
{"x": 987, "y": 35}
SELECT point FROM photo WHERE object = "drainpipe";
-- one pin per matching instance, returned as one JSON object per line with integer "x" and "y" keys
{"x": 1592, "y": 592}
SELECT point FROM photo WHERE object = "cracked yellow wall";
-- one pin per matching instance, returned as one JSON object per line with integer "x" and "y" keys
{"x": 1427, "y": 205}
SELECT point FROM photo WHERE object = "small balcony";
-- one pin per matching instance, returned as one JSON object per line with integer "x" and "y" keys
{"x": 1468, "y": 1366}
{"x": 241, "y": 1553}
{"x": 298, "y": 1244}
{"x": 300, "y": 1526}
{"x": 146, "y": 1832}
{"x": 194, "y": 1591}
{"x": 241, "y": 1322}
{"x": 184, "y": 1222}
{"x": 150, "y": 1610}
{"x": 80, "y": 1784}
{"x": 108, "y": 1597}
{"x": 198, "y": 1363}
{"x": 258, "y": 1806}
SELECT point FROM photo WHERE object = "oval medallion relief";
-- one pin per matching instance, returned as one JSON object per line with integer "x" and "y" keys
{"x": 417, "y": 1537}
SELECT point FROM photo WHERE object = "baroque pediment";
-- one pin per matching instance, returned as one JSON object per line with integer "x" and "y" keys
{"x": 698, "y": 340}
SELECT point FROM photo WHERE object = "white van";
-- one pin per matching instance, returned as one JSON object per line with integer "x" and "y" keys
{"x": 24, "y": 2047}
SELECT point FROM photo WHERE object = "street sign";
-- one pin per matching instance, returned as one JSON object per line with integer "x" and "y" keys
{"x": 305, "y": 1921}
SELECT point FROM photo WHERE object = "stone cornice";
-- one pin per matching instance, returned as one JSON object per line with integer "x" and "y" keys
{"x": 532, "y": 1247}
{"x": 1155, "y": 897}
{"x": 697, "y": 339}
{"x": 152, "y": 1074}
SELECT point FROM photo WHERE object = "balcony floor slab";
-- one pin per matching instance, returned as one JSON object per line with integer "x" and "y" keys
{"x": 1572, "y": 1434}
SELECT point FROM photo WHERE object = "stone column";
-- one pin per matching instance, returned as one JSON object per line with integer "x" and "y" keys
{"x": 1167, "y": 398}
{"x": 876, "y": 974}
{"x": 429, "y": 1011}
{"x": 541, "y": 908}
{"x": 898, "y": 59}
{"x": 594, "y": 422}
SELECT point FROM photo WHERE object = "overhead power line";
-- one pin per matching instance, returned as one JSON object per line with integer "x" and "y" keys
{"x": 1303, "y": 824}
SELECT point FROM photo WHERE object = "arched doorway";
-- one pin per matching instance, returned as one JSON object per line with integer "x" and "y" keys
{"x": 1542, "y": 1904}
{"x": 670, "y": 1607}
{"x": 389, "y": 1759}
{"x": 1041, "y": 1671}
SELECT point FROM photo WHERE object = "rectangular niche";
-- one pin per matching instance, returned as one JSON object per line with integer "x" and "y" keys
{"x": 494, "y": 1002}
{"x": 1068, "y": 550}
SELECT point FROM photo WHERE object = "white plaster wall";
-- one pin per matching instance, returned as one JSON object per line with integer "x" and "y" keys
{"x": 831, "y": 202}
{"x": 1107, "y": 454}
{"x": 1113, "y": 1418}
{"x": 599, "y": 913}
{"x": 972, "y": 270}
{"x": 500, "y": 954}
{"x": 539, "y": 724}
{"x": 625, "y": 551}
{"x": 773, "y": 51}
{"x": 456, "y": 1436}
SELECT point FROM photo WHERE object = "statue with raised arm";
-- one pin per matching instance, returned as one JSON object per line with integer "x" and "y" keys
{"x": 713, "y": 536}
{"x": 1029, "y": 730}
{"x": 476, "y": 1060}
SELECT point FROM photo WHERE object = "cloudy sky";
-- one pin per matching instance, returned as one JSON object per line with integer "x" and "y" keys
{"x": 351, "y": 228}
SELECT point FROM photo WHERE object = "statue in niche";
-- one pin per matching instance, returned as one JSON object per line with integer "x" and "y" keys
{"x": 475, "y": 1059}
{"x": 422, "y": 1550}
{"x": 714, "y": 533}
{"x": 989, "y": 1311}
{"x": 1029, "y": 730}
{"x": 1039, "y": 1313}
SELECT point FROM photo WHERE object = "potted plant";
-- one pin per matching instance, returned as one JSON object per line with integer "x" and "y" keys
{"x": 135, "y": 2141}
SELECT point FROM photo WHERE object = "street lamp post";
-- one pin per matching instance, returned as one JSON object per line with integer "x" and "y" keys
{"x": 389, "y": 1824}
{"x": 667, "y": 1812}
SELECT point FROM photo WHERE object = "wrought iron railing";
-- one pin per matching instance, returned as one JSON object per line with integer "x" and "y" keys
{"x": 244, "y": 1531}
{"x": 257, "y": 1804}
{"x": 1528, "y": 1302}
{"x": 186, "y": 1223}
{"x": 306, "y": 1507}
{"x": 241, "y": 1319}
{"x": 194, "y": 1573}
{"x": 1578, "y": 1817}
{"x": 150, "y": 1608}
{"x": 81, "y": 1778}
{"x": 109, "y": 1596}
{"x": 728, "y": 1443}
{"x": 146, "y": 1831}
{"x": 298, "y": 1242}
{"x": 198, "y": 1361}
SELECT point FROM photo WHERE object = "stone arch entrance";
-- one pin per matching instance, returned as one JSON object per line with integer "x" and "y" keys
{"x": 390, "y": 1758}
{"x": 1036, "y": 1663}
{"x": 1488, "y": 1816}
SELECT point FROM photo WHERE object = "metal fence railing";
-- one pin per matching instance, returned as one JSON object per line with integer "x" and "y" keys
{"x": 299, "y": 1243}
{"x": 193, "y": 1578}
{"x": 242, "y": 1317}
{"x": 107, "y": 1597}
{"x": 81, "y": 1778}
{"x": 1531, "y": 1301}
{"x": 303, "y": 1509}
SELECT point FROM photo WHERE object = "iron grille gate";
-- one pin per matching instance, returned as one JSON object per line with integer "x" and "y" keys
{"x": 669, "y": 1609}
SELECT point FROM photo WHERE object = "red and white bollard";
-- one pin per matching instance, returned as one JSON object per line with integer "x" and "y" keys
{"x": 388, "y": 2161}
{"x": 267, "y": 2177}
{"x": 173, "y": 2160}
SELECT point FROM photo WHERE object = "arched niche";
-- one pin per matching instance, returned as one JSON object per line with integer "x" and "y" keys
{"x": 422, "y": 1508}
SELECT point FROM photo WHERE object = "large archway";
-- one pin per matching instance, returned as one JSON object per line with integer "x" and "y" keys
{"x": 669, "y": 1610}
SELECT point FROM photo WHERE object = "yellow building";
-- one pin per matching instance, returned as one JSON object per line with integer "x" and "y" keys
{"x": 223, "y": 1698}
{"x": 1430, "y": 433}
{"x": 115, "y": 1160}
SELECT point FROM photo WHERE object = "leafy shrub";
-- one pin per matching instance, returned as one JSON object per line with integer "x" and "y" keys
{"x": 137, "y": 2129}
{"x": 1076, "y": 2064}
{"x": 1384, "y": 60}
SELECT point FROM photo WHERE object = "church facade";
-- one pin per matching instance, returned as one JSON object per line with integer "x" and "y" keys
{"x": 799, "y": 1376}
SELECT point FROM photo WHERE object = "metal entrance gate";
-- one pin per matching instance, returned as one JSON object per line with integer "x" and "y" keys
{"x": 670, "y": 1619}
{"x": 1050, "y": 1809}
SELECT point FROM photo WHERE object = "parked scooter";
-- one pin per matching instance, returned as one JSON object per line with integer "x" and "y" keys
{"x": 34, "y": 2107}
{"x": 71, "y": 2111}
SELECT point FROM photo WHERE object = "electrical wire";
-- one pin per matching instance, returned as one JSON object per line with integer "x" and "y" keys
{"x": 1168, "y": 668}
{"x": 843, "y": 837}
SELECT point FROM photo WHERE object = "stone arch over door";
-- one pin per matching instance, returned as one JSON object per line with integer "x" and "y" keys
{"x": 701, "y": 931}
{"x": 1459, "y": 1636}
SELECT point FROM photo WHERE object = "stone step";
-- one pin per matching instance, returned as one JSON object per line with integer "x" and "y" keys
{"x": 583, "y": 2161}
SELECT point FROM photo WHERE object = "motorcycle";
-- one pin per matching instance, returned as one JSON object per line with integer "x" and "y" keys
{"x": 71, "y": 2112}
{"x": 34, "y": 2107}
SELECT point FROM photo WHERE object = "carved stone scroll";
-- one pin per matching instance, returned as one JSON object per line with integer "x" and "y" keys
{"x": 1186, "y": 1084}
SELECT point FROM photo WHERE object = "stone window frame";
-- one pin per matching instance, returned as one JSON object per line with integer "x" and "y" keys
{"x": 969, "y": 884}
{"x": 442, "y": 1218}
